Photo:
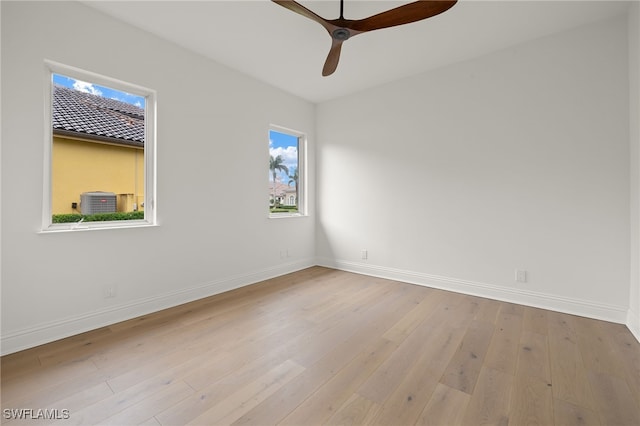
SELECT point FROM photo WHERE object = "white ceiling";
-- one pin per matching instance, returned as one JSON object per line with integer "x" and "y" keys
{"x": 286, "y": 50}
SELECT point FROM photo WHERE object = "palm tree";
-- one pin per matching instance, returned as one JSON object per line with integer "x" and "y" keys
{"x": 275, "y": 165}
{"x": 293, "y": 178}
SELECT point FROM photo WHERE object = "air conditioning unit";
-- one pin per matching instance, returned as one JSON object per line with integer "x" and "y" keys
{"x": 97, "y": 202}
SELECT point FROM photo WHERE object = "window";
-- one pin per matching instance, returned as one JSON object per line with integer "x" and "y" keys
{"x": 286, "y": 172}
{"x": 100, "y": 162}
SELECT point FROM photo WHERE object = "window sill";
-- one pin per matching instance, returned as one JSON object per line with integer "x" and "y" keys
{"x": 286, "y": 215}
{"x": 95, "y": 226}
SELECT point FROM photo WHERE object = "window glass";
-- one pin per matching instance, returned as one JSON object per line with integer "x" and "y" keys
{"x": 100, "y": 165}
{"x": 286, "y": 186}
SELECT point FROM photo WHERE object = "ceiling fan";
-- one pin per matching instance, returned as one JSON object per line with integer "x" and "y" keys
{"x": 342, "y": 29}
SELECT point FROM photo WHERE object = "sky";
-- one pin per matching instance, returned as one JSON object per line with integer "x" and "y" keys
{"x": 286, "y": 146}
{"x": 95, "y": 89}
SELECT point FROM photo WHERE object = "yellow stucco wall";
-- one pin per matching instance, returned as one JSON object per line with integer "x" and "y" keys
{"x": 85, "y": 166}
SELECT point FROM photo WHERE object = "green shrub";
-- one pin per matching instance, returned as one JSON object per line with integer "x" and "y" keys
{"x": 284, "y": 209}
{"x": 98, "y": 217}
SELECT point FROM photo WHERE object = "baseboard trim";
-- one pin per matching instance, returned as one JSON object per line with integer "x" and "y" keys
{"x": 49, "y": 332}
{"x": 633, "y": 323}
{"x": 573, "y": 306}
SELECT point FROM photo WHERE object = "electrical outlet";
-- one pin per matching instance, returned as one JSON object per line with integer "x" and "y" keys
{"x": 109, "y": 291}
{"x": 285, "y": 253}
{"x": 521, "y": 276}
{"x": 365, "y": 254}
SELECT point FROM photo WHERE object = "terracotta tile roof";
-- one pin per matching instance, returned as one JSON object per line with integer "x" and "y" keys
{"x": 281, "y": 188}
{"x": 82, "y": 114}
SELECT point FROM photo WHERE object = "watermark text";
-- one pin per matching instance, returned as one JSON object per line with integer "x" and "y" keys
{"x": 35, "y": 414}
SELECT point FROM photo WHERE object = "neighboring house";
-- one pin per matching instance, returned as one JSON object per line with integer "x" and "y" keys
{"x": 98, "y": 145}
{"x": 286, "y": 195}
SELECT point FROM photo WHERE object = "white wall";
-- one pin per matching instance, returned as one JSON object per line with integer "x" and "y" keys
{"x": 453, "y": 178}
{"x": 212, "y": 145}
{"x": 517, "y": 159}
{"x": 633, "y": 320}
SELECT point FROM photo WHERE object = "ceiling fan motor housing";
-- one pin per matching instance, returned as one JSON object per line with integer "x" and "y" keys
{"x": 341, "y": 34}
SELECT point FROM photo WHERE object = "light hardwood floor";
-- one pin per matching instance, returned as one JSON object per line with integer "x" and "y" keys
{"x": 321, "y": 346}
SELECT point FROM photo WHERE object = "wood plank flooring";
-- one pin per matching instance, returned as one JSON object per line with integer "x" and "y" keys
{"x": 321, "y": 346}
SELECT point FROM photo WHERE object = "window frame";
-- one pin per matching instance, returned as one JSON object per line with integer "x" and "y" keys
{"x": 150, "y": 202}
{"x": 302, "y": 173}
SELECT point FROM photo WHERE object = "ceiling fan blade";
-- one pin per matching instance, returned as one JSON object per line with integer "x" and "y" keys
{"x": 404, "y": 14}
{"x": 342, "y": 29}
{"x": 331, "y": 63}
{"x": 301, "y": 10}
